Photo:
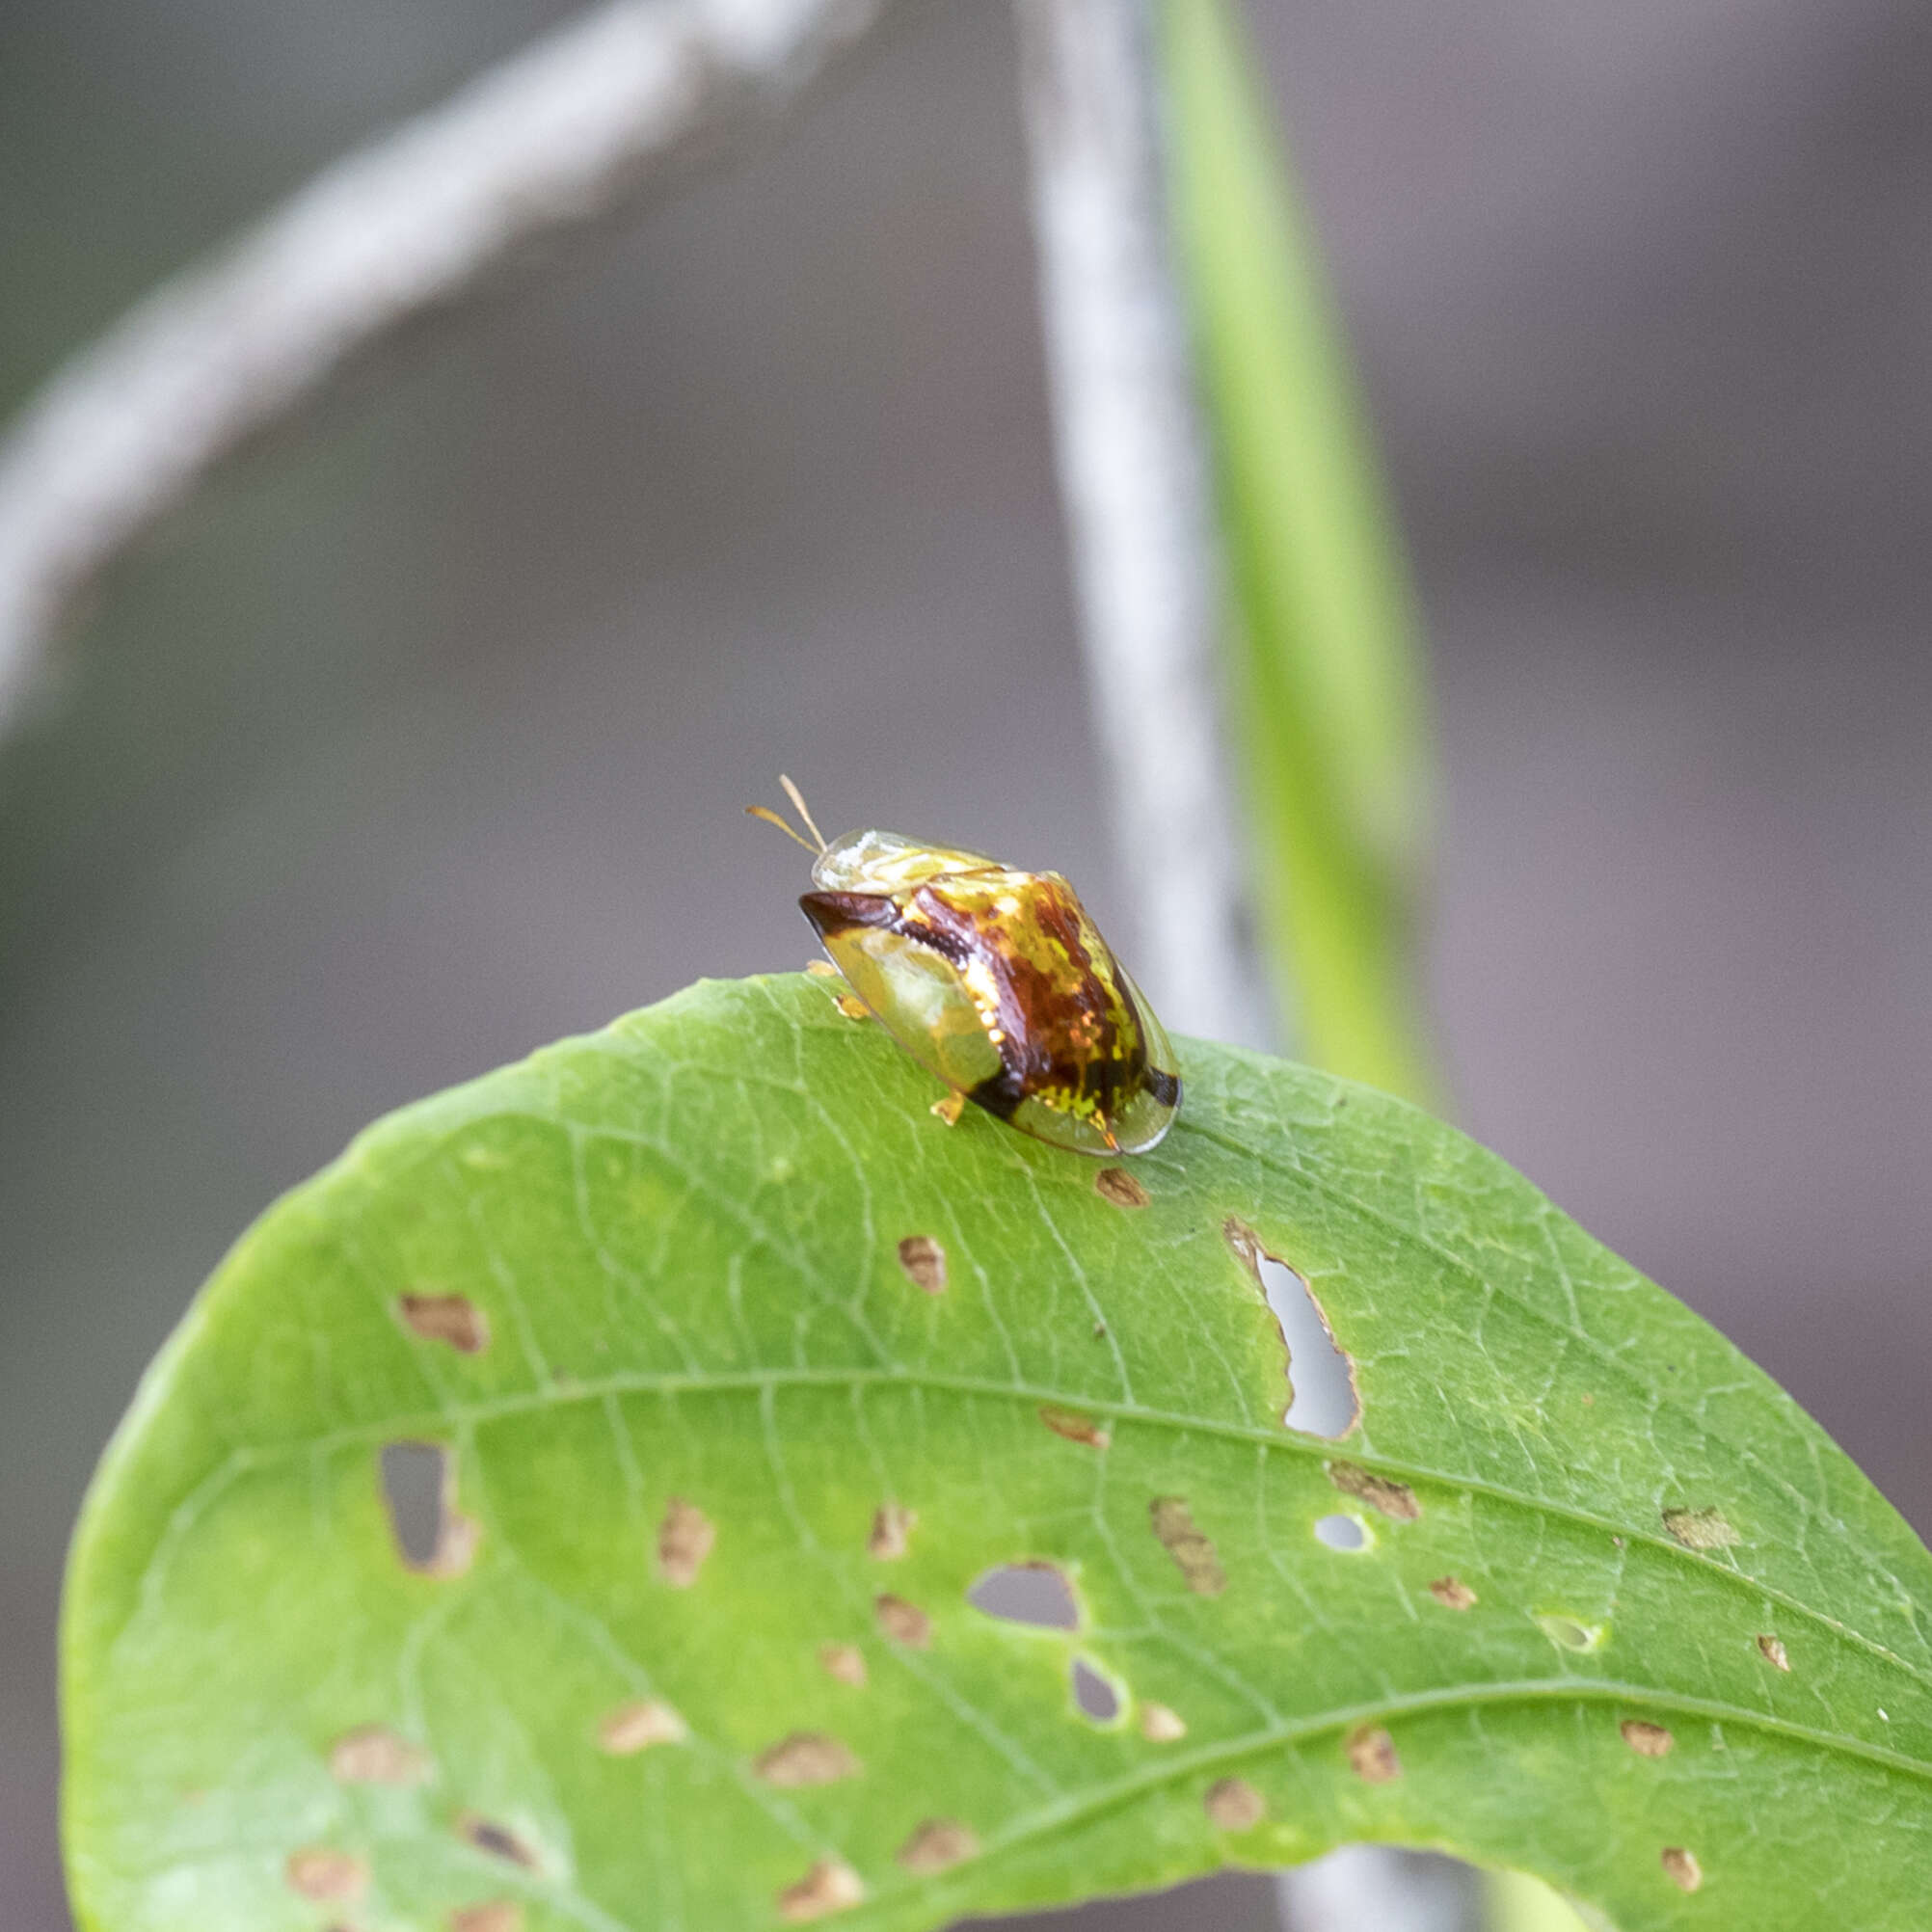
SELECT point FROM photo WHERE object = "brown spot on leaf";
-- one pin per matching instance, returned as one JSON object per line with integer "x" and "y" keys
{"x": 1701, "y": 1529}
{"x": 937, "y": 1844}
{"x": 828, "y": 1887}
{"x": 1647, "y": 1740}
{"x": 326, "y": 1876}
{"x": 1774, "y": 1653}
{"x": 1682, "y": 1867}
{"x": 374, "y": 1755}
{"x": 485, "y": 1835}
{"x": 806, "y": 1758}
{"x": 1119, "y": 1186}
{"x": 495, "y": 1915}
{"x": 846, "y": 1662}
{"x": 1234, "y": 1804}
{"x": 1379, "y": 1492}
{"x": 904, "y": 1622}
{"x": 1161, "y": 1724}
{"x": 1452, "y": 1593}
{"x": 685, "y": 1539}
{"x": 892, "y": 1532}
{"x": 1075, "y": 1427}
{"x": 636, "y": 1726}
{"x": 925, "y": 1263}
{"x": 1372, "y": 1755}
{"x": 1190, "y": 1548}
{"x": 453, "y": 1319}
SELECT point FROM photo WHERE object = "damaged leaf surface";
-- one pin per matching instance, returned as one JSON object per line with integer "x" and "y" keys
{"x": 677, "y": 1681}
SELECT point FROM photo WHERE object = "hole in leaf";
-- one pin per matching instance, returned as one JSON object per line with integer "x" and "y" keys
{"x": 1342, "y": 1532}
{"x": 419, "y": 1481}
{"x": 937, "y": 1844}
{"x": 1568, "y": 1633}
{"x": 828, "y": 1887}
{"x": 1034, "y": 1594}
{"x": 1095, "y": 1695}
{"x": 1190, "y": 1547}
{"x": 1322, "y": 1396}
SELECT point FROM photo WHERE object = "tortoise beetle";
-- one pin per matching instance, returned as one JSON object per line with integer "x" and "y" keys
{"x": 996, "y": 982}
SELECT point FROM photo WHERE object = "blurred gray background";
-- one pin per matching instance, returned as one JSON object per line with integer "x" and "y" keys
{"x": 423, "y": 738}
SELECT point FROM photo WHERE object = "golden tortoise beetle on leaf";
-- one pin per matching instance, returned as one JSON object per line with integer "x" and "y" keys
{"x": 994, "y": 980}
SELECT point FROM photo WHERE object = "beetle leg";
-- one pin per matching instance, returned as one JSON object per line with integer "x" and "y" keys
{"x": 851, "y": 1005}
{"x": 950, "y": 1109}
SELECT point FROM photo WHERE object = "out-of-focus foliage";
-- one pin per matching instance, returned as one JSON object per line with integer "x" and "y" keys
{"x": 1326, "y": 683}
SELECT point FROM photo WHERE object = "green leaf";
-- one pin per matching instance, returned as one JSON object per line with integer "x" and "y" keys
{"x": 1327, "y": 677}
{"x": 749, "y": 1371}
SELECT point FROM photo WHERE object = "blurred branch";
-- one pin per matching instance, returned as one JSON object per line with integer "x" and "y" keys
{"x": 1135, "y": 481}
{"x": 557, "y": 137}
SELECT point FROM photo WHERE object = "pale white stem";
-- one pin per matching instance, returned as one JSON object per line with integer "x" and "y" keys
{"x": 558, "y": 135}
{"x": 1136, "y": 482}
{"x": 1136, "y": 485}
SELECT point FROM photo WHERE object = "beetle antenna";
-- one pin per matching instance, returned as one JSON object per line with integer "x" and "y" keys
{"x": 797, "y": 799}
{"x": 772, "y": 819}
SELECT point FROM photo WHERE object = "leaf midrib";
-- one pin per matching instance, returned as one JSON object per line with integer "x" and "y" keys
{"x": 470, "y": 1415}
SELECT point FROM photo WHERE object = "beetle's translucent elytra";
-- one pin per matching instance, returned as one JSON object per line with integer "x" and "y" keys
{"x": 996, "y": 982}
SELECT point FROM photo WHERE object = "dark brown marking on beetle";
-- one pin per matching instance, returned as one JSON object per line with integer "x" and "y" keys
{"x": 832, "y": 913}
{"x": 1068, "y": 1025}
{"x": 1165, "y": 1086}
{"x": 999, "y": 1093}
